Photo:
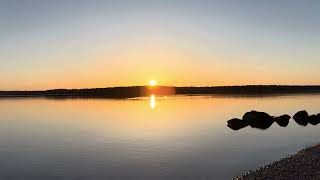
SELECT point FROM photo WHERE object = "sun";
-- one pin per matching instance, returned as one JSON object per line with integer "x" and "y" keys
{"x": 153, "y": 83}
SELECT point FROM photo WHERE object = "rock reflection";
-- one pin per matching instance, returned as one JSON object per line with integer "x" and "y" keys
{"x": 262, "y": 120}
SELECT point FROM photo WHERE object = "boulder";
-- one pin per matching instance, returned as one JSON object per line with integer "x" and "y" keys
{"x": 261, "y": 124}
{"x": 314, "y": 119}
{"x": 237, "y": 124}
{"x": 260, "y": 120}
{"x": 255, "y": 115}
{"x": 282, "y": 120}
{"x": 301, "y": 117}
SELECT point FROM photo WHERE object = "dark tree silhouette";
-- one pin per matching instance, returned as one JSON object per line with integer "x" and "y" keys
{"x": 137, "y": 91}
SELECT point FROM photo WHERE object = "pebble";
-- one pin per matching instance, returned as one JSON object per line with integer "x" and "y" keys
{"x": 305, "y": 164}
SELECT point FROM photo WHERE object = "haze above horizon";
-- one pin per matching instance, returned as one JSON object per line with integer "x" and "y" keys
{"x": 84, "y": 44}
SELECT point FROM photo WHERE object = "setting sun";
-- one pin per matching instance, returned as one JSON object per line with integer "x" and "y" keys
{"x": 153, "y": 83}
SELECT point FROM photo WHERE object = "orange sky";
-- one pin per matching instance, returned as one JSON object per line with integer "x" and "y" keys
{"x": 48, "y": 45}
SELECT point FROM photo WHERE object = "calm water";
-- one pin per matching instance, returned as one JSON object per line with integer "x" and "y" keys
{"x": 145, "y": 138}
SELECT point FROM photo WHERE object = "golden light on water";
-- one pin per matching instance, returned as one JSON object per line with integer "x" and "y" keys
{"x": 153, "y": 83}
{"x": 152, "y": 101}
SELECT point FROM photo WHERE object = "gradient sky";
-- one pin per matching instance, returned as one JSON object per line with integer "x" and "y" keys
{"x": 47, "y": 44}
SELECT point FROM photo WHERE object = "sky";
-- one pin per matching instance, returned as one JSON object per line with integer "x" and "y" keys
{"x": 48, "y": 44}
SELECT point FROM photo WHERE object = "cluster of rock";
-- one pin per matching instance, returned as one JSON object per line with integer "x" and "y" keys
{"x": 262, "y": 120}
{"x": 303, "y": 118}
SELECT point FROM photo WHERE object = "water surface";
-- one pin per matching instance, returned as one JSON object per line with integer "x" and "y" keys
{"x": 173, "y": 138}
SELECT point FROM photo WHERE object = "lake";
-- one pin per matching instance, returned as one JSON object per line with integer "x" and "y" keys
{"x": 151, "y": 138}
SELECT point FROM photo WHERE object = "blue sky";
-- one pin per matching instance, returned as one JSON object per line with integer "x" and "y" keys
{"x": 79, "y": 44}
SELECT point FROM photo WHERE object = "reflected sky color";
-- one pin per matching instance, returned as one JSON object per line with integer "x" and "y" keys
{"x": 77, "y": 44}
{"x": 152, "y": 101}
{"x": 183, "y": 137}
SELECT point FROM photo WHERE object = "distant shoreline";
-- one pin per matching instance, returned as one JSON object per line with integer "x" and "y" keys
{"x": 141, "y": 91}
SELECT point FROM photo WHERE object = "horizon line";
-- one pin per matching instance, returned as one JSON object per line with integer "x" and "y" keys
{"x": 110, "y": 87}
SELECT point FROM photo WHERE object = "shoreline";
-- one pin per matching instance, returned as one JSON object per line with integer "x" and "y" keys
{"x": 235, "y": 95}
{"x": 141, "y": 91}
{"x": 304, "y": 164}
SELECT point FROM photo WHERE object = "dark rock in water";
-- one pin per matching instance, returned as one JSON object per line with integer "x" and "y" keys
{"x": 314, "y": 119}
{"x": 301, "y": 114}
{"x": 283, "y": 120}
{"x": 259, "y": 120}
{"x": 262, "y": 124}
{"x": 255, "y": 115}
{"x": 237, "y": 124}
{"x": 301, "y": 117}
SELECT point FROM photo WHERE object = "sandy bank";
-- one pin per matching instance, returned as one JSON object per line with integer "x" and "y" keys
{"x": 305, "y": 164}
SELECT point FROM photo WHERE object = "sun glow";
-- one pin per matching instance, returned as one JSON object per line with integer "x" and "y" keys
{"x": 152, "y": 101}
{"x": 153, "y": 83}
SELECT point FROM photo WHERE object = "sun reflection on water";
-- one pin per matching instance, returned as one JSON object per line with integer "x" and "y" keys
{"x": 152, "y": 101}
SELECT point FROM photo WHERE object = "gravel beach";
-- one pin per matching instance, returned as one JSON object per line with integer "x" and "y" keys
{"x": 305, "y": 164}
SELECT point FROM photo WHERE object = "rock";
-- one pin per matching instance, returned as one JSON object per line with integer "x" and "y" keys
{"x": 261, "y": 124}
{"x": 254, "y": 115}
{"x": 257, "y": 119}
{"x": 237, "y": 124}
{"x": 301, "y": 117}
{"x": 314, "y": 119}
{"x": 283, "y": 120}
